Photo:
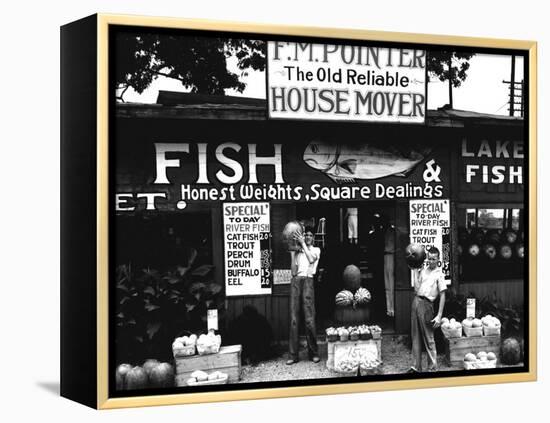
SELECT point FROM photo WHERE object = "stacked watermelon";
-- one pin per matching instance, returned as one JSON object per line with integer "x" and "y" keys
{"x": 354, "y": 294}
{"x": 491, "y": 244}
{"x": 344, "y": 298}
{"x": 490, "y": 254}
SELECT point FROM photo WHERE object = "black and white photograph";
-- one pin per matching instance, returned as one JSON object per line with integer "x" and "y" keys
{"x": 299, "y": 211}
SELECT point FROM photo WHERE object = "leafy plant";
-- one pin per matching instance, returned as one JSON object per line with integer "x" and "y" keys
{"x": 152, "y": 307}
{"x": 510, "y": 318}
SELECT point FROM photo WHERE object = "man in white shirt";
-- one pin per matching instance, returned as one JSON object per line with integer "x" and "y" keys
{"x": 303, "y": 265}
{"x": 429, "y": 283}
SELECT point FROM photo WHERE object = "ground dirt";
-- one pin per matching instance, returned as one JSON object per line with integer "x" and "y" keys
{"x": 396, "y": 359}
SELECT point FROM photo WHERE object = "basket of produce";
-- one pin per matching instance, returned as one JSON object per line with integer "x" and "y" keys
{"x": 184, "y": 346}
{"x": 376, "y": 332}
{"x": 209, "y": 344}
{"x": 482, "y": 360}
{"x": 353, "y": 333}
{"x": 472, "y": 327}
{"x": 364, "y": 333}
{"x": 343, "y": 334}
{"x": 200, "y": 378}
{"x": 332, "y": 334}
{"x": 491, "y": 325}
{"x": 451, "y": 328}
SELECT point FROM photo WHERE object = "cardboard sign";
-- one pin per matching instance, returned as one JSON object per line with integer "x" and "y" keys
{"x": 212, "y": 319}
{"x": 282, "y": 276}
{"x": 430, "y": 226}
{"x": 352, "y": 355}
{"x": 247, "y": 247}
{"x": 470, "y": 308}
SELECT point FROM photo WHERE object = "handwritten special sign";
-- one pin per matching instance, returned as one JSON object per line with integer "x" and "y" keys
{"x": 247, "y": 241}
{"x": 345, "y": 82}
{"x": 430, "y": 226}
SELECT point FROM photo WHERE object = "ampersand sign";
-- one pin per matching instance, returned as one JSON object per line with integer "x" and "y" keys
{"x": 431, "y": 174}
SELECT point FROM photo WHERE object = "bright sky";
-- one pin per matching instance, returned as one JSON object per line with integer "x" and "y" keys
{"x": 483, "y": 91}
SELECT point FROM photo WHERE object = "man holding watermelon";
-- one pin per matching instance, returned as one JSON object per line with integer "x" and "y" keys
{"x": 303, "y": 265}
{"x": 429, "y": 284}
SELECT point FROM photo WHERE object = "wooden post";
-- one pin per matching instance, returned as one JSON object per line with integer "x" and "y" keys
{"x": 512, "y": 86}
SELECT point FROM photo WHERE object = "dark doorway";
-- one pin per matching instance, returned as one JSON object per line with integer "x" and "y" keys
{"x": 374, "y": 220}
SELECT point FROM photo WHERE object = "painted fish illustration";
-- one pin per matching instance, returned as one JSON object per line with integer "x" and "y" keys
{"x": 347, "y": 163}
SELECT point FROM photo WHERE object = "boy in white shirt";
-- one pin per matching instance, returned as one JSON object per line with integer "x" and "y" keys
{"x": 302, "y": 293}
{"x": 429, "y": 283}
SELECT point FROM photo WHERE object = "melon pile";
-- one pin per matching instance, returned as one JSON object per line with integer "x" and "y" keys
{"x": 353, "y": 333}
{"x": 481, "y": 360}
{"x": 346, "y": 298}
{"x": 199, "y": 376}
{"x": 490, "y": 321}
{"x": 492, "y": 244}
{"x": 209, "y": 344}
{"x": 471, "y": 323}
{"x": 450, "y": 324}
{"x": 204, "y": 344}
{"x": 152, "y": 374}
{"x": 184, "y": 345}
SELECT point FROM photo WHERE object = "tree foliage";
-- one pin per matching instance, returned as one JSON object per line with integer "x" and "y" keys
{"x": 456, "y": 74}
{"x": 199, "y": 63}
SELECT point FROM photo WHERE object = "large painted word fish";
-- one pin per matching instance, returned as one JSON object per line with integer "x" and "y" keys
{"x": 345, "y": 163}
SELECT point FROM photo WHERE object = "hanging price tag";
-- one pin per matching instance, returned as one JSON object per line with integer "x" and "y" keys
{"x": 212, "y": 319}
{"x": 470, "y": 308}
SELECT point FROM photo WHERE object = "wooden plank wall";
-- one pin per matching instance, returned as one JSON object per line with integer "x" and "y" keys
{"x": 509, "y": 292}
{"x": 274, "y": 307}
{"x": 403, "y": 301}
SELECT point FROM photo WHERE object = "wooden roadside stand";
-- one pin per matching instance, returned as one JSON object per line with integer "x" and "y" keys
{"x": 226, "y": 360}
{"x": 457, "y": 348}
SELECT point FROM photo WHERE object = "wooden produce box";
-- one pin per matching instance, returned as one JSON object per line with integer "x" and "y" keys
{"x": 331, "y": 346}
{"x": 227, "y": 360}
{"x": 457, "y": 348}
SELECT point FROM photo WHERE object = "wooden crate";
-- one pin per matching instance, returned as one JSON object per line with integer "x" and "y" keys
{"x": 332, "y": 345}
{"x": 457, "y": 348}
{"x": 227, "y": 360}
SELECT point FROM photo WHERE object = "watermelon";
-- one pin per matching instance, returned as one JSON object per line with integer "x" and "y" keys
{"x": 120, "y": 375}
{"x": 478, "y": 235}
{"x": 520, "y": 251}
{"x": 136, "y": 378}
{"x": 149, "y": 365}
{"x": 415, "y": 255}
{"x": 493, "y": 237}
{"x": 489, "y": 251}
{"x": 362, "y": 296}
{"x": 344, "y": 298}
{"x": 352, "y": 278}
{"x": 473, "y": 250}
{"x": 510, "y": 351}
{"x": 505, "y": 251}
{"x": 162, "y": 376}
{"x": 463, "y": 235}
{"x": 510, "y": 236}
{"x": 290, "y": 229}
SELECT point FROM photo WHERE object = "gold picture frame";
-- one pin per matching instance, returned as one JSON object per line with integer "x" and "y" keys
{"x": 91, "y": 78}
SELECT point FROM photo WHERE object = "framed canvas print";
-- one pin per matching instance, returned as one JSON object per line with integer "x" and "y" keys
{"x": 257, "y": 211}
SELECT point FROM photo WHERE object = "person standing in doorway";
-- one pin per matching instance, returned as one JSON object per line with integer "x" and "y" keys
{"x": 351, "y": 218}
{"x": 429, "y": 284}
{"x": 303, "y": 264}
